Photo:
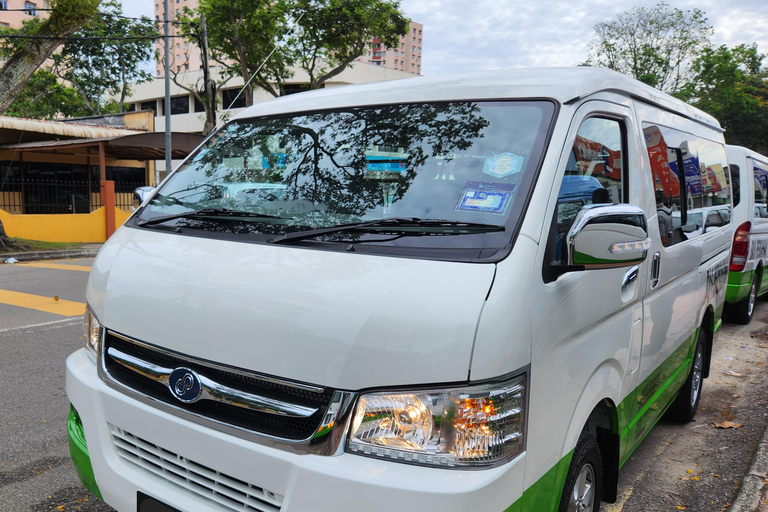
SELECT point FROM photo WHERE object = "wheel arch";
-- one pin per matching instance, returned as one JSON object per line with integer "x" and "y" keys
{"x": 708, "y": 325}
{"x": 600, "y": 418}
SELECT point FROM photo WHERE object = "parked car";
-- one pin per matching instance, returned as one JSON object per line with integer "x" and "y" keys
{"x": 703, "y": 220}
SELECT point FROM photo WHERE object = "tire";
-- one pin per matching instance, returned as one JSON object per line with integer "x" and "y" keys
{"x": 741, "y": 312}
{"x": 684, "y": 408}
{"x": 583, "y": 483}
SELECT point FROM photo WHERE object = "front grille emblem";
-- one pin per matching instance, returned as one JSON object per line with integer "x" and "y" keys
{"x": 185, "y": 385}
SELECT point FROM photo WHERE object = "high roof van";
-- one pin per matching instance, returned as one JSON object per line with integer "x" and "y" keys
{"x": 747, "y": 278}
{"x": 461, "y": 292}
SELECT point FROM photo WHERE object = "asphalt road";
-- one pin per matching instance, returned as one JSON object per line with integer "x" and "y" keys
{"x": 695, "y": 467}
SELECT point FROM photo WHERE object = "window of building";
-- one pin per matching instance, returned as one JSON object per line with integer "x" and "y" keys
{"x": 413, "y": 48}
{"x": 149, "y": 105}
{"x": 4, "y": 7}
{"x": 30, "y": 8}
{"x": 130, "y": 107}
{"x": 419, "y": 32}
{"x": 228, "y": 95}
{"x": 414, "y": 31}
{"x": 199, "y": 106}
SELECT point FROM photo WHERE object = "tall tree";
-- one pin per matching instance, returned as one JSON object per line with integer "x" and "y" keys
{"x": 656, "y": 45}
{"x": 731, "y": 84}
{"x": 245, "y": 34}
{"x": 264, "y": 39}
{"x": 97, "y": 67}
{"x": 27, "y": 55}
{"x": 45, "y": 97}
{"x": 331, "y": 34}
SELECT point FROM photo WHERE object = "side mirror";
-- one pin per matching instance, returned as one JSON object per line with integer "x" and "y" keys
{"x": 608, "y": 236}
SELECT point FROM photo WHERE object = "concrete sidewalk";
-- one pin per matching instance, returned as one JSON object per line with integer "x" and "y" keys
{"x": 86, "y": 251}
{"x": 753, "y": 494}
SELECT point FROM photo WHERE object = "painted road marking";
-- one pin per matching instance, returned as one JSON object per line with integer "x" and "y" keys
{"x": 55, "y": 323}
{"x": 41, "y": 303}
{"x": 56, "y": 266}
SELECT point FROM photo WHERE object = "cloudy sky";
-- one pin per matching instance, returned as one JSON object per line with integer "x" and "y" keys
{"x": 467, "y": 35}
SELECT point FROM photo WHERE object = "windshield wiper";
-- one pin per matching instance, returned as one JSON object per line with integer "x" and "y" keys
{"x": 410, "y": 225}
{"x": 206, "y": 212}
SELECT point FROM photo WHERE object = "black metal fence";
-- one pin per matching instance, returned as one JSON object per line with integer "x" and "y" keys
{"x": 55, "y": 196}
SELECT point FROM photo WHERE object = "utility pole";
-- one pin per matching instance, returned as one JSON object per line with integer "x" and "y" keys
{"x": 167, "y": 109}
{"x": 210, "y": 95}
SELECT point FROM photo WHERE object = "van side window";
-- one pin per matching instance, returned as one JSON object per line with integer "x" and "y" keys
{"x": 761, "y": 182}
{"x": 704, "y": 172}
{"x": 735, "y": 184}
{"x": 594, "y": 173}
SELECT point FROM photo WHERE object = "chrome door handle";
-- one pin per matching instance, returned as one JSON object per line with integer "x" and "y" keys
{"x": 630, "y": 276}
{"x": 655, "y": 269}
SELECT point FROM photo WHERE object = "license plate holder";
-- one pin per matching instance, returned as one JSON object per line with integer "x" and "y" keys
{"x": 145, "y": 503}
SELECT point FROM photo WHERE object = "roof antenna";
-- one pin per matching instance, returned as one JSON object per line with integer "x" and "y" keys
{"x": 261, "y": 66}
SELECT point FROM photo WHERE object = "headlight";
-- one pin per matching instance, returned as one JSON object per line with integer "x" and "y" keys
{"x": 92, "y": 329}
{"x": 476, "y": 426}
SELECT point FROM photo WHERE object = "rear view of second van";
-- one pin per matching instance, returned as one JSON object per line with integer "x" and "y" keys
{"x": 747, "y": 278}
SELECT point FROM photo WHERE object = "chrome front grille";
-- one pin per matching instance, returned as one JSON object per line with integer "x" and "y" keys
{"x": 228, "y": 396}
{"x": 223, "y": 490}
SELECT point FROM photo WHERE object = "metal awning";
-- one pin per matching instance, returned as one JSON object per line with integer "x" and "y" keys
{"x": 135, "y": 146}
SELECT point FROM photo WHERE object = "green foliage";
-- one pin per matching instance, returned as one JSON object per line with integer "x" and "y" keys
{"x": 44, "y": 97}
{"x": 732, "y": 85}
{"x": 243, "y": 34}
{"x": 656, "y": 45}
{"x": 98, "y": 68}
{"x": 322, "y": 37}
{"x": 330, "y": 34}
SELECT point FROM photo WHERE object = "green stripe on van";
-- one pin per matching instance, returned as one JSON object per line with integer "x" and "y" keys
{"x": 738, "y": 286}
{"x": 637, "y": 414}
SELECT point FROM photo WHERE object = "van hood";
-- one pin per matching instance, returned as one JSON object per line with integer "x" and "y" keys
{"x": 341, "y": 320}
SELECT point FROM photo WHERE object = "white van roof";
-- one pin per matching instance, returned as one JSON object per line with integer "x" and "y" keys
{"x": 739, "y": 150}
{"x": 562, "y": 84}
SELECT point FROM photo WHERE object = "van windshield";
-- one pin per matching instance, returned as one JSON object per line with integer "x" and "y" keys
{"x": 462, "y": 168}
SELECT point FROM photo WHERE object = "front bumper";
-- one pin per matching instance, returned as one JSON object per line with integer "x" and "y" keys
{"x": 118, "y": 427}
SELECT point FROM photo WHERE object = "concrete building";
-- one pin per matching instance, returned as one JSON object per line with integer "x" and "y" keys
{"x": 407, "y": 57}
{"x": 14, "y": 12}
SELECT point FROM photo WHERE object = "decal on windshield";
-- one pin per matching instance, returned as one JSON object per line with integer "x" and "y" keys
{"x": 503, "y": 164}
{"x": 483, "y": 197}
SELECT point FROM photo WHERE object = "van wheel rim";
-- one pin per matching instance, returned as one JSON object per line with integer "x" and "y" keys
{"x": 698, "y": 360}
{"x": 582, "y": 495}
{"x": 752, "y": 297}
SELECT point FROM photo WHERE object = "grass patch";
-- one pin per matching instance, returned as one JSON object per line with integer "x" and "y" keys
{"x": 24, "y": 245}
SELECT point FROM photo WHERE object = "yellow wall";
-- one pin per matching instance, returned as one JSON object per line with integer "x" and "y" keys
{"x": 79, "y": 227}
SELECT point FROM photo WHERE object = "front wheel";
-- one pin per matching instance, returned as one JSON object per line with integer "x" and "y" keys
{"x": 684, "y": 408}
{"x": 584, "y": 479}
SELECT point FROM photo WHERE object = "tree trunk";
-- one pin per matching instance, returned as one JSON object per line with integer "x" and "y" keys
{"x": 66, "y": 17}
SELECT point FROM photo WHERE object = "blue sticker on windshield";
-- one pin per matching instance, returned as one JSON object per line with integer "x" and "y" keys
{"x": 503, "y": 164}
{"x": 483, "y": 197}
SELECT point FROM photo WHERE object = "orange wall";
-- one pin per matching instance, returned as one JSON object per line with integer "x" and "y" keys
{"x": 78, "y": 227}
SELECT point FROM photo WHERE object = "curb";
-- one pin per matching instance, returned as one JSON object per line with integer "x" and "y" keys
{"x": 51, "y": 255}
{"x": 754, "y": 483}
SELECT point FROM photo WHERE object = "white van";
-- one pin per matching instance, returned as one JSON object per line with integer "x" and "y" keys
{"x": 428, "y": 316}
{"x": 747, "y": 279}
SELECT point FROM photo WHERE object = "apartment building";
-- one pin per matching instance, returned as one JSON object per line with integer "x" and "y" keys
{"x": 406, "y": 57}
{"x": 14, "y": 12}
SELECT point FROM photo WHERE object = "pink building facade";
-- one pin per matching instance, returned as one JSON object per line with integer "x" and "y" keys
{"x": 407, "y": 57}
